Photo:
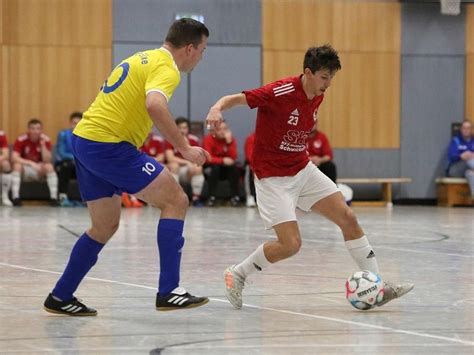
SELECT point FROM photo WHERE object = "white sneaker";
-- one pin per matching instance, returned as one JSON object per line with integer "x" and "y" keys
{"x": 250, "y": 201}
{"x": 234, "y": 284}
{"x": 391, "y": 291}
{"x": 6, "y": 201}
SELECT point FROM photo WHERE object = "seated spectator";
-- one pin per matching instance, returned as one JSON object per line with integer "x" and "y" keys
{"x": 320, "y": 153}
{"x": 461, "y": 155}
{"x": 31, "y": 160}
{"x": 65, "y": 166}
{"x": 5, "y": 169}
{"x": 154, "y": 146}
{"x": 249, "y": 183}
{"x": 222, "y": 147}
{"x": 183, "y": 170}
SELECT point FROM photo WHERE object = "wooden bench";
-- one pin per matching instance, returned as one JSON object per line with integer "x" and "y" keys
{"x": 453, "y": 191}
{"x": 386, "y": 189}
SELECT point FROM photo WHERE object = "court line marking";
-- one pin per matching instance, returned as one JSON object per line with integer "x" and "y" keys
{"x": 335, "y": 242}
{"x": 243, "y": 346}
{"x": 331, "y": 319}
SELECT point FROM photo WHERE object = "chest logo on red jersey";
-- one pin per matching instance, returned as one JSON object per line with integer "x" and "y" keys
{"x": 294, "y": 117}
{"x": 315, "y": 115}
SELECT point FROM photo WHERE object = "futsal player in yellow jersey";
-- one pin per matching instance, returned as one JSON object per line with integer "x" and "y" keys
{"x": 105, "y": 145}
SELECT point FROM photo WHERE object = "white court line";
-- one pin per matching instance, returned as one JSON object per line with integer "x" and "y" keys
{"x": 243, "y": 346}
{"x": 261, "y": 235}
{"x": 337, "y": 320}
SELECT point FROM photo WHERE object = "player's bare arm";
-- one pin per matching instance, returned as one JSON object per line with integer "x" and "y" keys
{"x": 46, "y": 155}
{"x": 157, "y": 108}
{"x": 214, "y": 117}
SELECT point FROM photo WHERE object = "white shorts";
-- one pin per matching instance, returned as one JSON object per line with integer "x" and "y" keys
{"x": 30, "y": 174}
{"x": 278, "y": 197}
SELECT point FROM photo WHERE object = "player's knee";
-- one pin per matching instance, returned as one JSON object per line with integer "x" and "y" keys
{"x": 48, "y": 168}
{"x": 181, "y": 199}
{"x": 104, "y": 231}
{"x": 293, "y": 247}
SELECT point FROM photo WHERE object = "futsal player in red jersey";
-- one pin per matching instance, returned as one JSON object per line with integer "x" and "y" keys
{"x": 284, "y": 176}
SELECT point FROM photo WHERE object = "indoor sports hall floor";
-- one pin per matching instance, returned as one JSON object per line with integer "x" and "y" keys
{"x": 295, "y": 307}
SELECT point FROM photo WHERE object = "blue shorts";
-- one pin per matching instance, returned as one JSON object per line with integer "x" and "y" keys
{"x": 107, "y": 169}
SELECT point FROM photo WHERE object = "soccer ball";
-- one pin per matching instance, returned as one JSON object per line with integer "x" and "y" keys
{"x": 364, "y": 290}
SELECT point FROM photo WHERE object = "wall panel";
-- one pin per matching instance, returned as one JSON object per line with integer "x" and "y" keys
{"x": 55, "y": 55}
{"x": 365, "y": 100}
{"x": 469, "y": 94}
{"x": 229, "y": 21}
{"x": 310, "y": 22}
{"x": 469, "y": 98}
{"x": 366, "y": 26}
{"x": 58, "y": 22}
{"x": 60, "y": 80}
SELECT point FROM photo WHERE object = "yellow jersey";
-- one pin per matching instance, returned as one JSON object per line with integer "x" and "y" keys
{"x": 119, "y": 112}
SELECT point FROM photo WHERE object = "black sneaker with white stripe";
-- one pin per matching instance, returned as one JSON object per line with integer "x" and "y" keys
{"x": 70, "y": 308}
{"x": 179, "y": 299}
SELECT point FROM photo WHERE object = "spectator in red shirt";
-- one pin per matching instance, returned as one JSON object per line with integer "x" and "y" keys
{"x": 222, "y": 147}
{"x": 5, "y": 169}
{"x": 154, "y": 146}
{"x": 320, "y": 153}
{"x": 31, "y": 159}
{"x": 249, "y": 183}
{"x": 183, "y": 170}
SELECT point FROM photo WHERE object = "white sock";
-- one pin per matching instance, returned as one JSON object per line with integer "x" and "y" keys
{"x": 256, "y": 261}
{"x": 197, "y": 181}
{"x": 363, "y": 254}
{"x": 16, "y": 180}
{"x": 6, "y": 184}
{"x": 52, "y": 180}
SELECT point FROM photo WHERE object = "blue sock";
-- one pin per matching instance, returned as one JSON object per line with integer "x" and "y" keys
{"x": 170, "y": 242}
{"x": 83, "y": 258}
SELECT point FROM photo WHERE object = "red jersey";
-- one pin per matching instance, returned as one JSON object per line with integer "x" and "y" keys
{"x": 153, "y": 146}
{"x": 319, "y": 145}
{"x": 3, "y": 140}
{"x": 284, "y": 119}
{"x": 30, "y": 150}
{"x": 193, "y": 142}
{"x": 249, "y": 146}
{"x": 219, "y": 149}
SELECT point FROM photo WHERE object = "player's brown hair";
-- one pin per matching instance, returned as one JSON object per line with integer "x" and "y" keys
{"x": 186, "y": 31}
{"x": 323, "y": 57}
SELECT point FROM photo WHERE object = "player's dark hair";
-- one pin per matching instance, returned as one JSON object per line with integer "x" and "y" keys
{"x": 75, "y": 114}
{"x": 323, "y": 57}
{"x": 34, "y": 121}
{"x": 180, "y": 120}
{"x": 186, "y": 31}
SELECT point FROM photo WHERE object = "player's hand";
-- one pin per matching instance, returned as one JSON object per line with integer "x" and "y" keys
{"x": 214, "y": 118}
{"x": 197, "y": 155}
{"x": 228, "y": 161}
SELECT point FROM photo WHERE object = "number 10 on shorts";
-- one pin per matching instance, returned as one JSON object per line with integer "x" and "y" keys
{"x": 148, "y": 168}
